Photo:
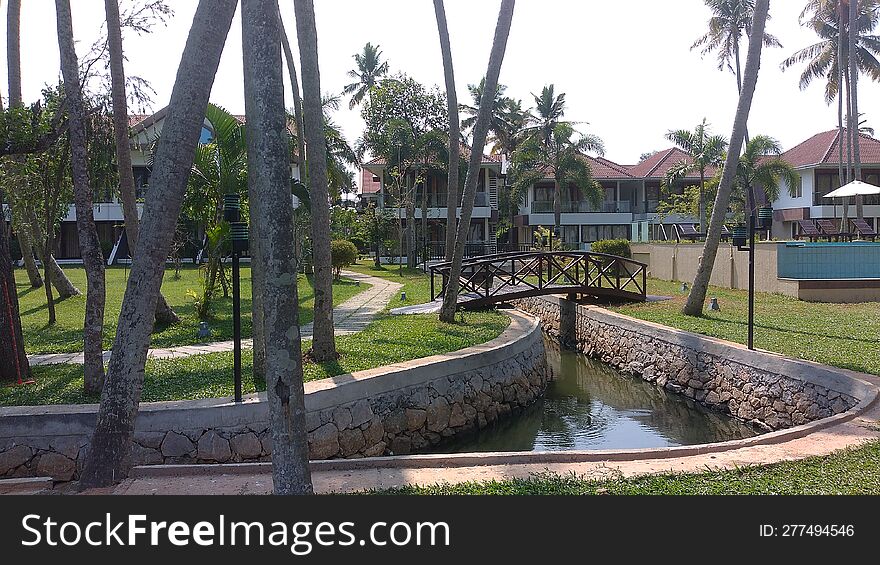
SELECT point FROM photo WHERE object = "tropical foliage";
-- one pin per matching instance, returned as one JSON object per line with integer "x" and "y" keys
{"x": 370, "y": 69}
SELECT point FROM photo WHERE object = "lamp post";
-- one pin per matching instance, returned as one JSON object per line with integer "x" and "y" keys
{"x": 741, "y": 235}
{"x": 238, "y": 232}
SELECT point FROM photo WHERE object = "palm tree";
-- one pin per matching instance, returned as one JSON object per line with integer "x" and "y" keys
{"x": 164, "y": 314}
{"x": 13, "y": 58}
{"x": 730, "y": 21}
{"x": 269, "y": 159}
{"x": 697, "y": 296}
{"x": 548, "y": 111}
{"x": 111, "y": 442}
{"x": 561, "y": 158}
{"x": 324, "y": 341}
{"x": 370, "y": 69}
{"x": 341, "y": 157}
{"x": 89, "y": 244}
{"x": 705, "y": 150}
{"x": 499, "y": 108}
{"x": 761, "y": 165}
{"x": 481, "y": 131}
{"x": 452, "y": 176}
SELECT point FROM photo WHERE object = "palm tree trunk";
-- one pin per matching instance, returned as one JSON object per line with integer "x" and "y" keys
{"x": 854, "y": 100}
{"x": 694, "y": 305}
{"x": 13, "y": 57}
{"x": 453, "y": 197}
{"x": 702, "y": 199}
{"x": 323, "y": 341}
{"x": 844, "y": 82}
{"x": 89, "y": 244}
{"x": 739, "y": 88}
{"x": 269, "y": 163}
{"x": 111, "y": 442}
{"x": 557, "y": 204}
{"x": 424, "y": 242}
{"x": 481, "y": 130}
{"x": 59, "y": 279}
{"x": 127, "y": 195}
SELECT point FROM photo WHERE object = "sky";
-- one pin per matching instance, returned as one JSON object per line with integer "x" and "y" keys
{"x": 626, "y": 67}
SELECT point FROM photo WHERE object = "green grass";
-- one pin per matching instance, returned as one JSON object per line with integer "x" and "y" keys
{"x": 65, "y": 336}
{"x": 416, "y": 284}
{"x": 842, "y": 335}
{"x": 850, "y": 471}
{"x": 390, "y": 339}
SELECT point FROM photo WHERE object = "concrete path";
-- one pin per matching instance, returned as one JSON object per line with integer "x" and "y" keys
{"x": 350, "y": 317}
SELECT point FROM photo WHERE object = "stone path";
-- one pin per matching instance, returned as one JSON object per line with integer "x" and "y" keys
{"x": 350, "y": 317}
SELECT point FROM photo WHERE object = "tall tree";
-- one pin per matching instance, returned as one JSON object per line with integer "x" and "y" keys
{"x": 560, "y": 157}
{"x": 697, "y": 296}
{"x": 89, "y": 244}
{"x": 370, "y": 70}
{"x": 127, "y": 194}
{"x": 481, "y": 131}
{"x": 111, "y": 442}
{"x": 854, "y": 103}
{"x": 324, "y": 341}
{"x": 548, "y": 111}
{"x": 13, "y": 58}
{"x": 761, "y": 165}
{"x": 730, "y": 21}
{"x": 452, "y": 179}
{"x": 269, "y": 165}
{"x": 706, "y": 150}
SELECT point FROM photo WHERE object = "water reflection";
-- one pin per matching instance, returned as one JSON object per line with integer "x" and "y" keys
{"x": 589, "y": 405}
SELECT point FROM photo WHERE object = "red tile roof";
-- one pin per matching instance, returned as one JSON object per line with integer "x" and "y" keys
{"x": 604, "y": 169}
{"x": 657, "y": 165}
{"x": 822, "y": 149}
{"x": 368, "y": 185}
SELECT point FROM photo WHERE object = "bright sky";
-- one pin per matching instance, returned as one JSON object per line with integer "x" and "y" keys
{"x": 626, "y": 67}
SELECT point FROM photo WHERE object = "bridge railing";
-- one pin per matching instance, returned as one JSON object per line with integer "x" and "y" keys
{"x": 506, "y": 276}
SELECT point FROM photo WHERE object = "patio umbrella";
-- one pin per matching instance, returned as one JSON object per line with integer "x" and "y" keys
{"x": 854, "y": 188}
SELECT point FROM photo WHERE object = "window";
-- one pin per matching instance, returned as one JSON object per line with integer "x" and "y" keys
{"x": 825, "y": 183}
{"x": 141, "y": 181}
{"x": 799, "y": 189}
{"x": 570, "y": 234}
{"x": 206, "y": 136}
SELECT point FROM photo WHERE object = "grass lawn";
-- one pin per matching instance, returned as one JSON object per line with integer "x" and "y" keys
{"x": 389, "y": 339}
{"x": 842, "y": 335}
{"x": 851, "y": 471}
{"x": 416, "y": 283}
{"x": 65, "y": 336}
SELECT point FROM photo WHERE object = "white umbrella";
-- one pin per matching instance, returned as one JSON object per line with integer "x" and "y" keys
{"x": 854, "y": 188}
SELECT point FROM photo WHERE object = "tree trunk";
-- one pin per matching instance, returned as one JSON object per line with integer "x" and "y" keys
{"x": 323, "y": 340}
{"x": 702, "y": 200}
{"x": 423, "y": 244}
{"x": 127, "y": 194}
{"x": 481, "y": 130}
{"x": 59, "y": 279}
{"x": 411, "y": 228}
{"x": 13, "y": 359}
{"x": 89, "y": 244}
{"x": 269, "y": 164}
{"x": 106, "y": 459}
{"x": 694, "y": 305}
{"x": 453, "y": 196}
{"x": 13, "y": 57}
{"x": 854, "y": 101}
{"x": 557, "y": 205}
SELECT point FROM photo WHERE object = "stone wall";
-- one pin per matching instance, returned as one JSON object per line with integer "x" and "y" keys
{"x": 763, "y": 388}
{"x": 400, "y": 409}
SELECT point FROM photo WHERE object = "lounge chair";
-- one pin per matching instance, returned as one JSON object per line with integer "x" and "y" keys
{"x": 831, "y": 231}
{"x": 725, "y": 233}
{"x": 689, "y": 232}
{"x": 863, "y": 229}
{"x": 808, "y": 230}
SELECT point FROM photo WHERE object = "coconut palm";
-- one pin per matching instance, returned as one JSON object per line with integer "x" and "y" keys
{"x": 548, "y": 111}
{"x": 697, "y": 296}
{"x": 730, "y": 21}
{"x": 706, "y": 150}
{"x": 560, "y": 157}
{"x": 370, "y": 69}
{"x": 761, "y": 165}
{"x": 481, "y": 131}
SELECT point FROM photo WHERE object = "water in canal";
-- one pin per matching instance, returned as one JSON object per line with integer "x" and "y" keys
{"x": 589, "y": 405}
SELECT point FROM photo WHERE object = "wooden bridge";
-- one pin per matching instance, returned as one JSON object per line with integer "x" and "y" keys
{"x": 491, "y": 279}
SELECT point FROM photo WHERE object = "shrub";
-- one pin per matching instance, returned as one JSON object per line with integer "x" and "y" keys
{"x": 342, "y": 253}
{"x": 618, "y": 247}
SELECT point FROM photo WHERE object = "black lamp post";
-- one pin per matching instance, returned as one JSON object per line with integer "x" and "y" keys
{"x": 238, "y": 232}
{"x": 742, "y": 235}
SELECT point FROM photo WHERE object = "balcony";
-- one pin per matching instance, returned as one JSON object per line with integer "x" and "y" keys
{"x": 546, "y": 207}
{"x": 437, "y": 200}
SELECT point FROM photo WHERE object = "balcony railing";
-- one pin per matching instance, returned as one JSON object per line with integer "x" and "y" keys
{"x": 437, "y": 200}
{"x": 546, "y": 207}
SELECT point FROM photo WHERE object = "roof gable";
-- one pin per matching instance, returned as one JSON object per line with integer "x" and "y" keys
{"x": 822, "y": 149}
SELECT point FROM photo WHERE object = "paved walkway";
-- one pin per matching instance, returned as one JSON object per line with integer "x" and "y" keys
{"x": 350, "y": 317}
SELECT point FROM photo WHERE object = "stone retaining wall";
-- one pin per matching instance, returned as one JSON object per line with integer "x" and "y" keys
{"x": 399, "y": 409}
{"x": 763, "y": 388}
